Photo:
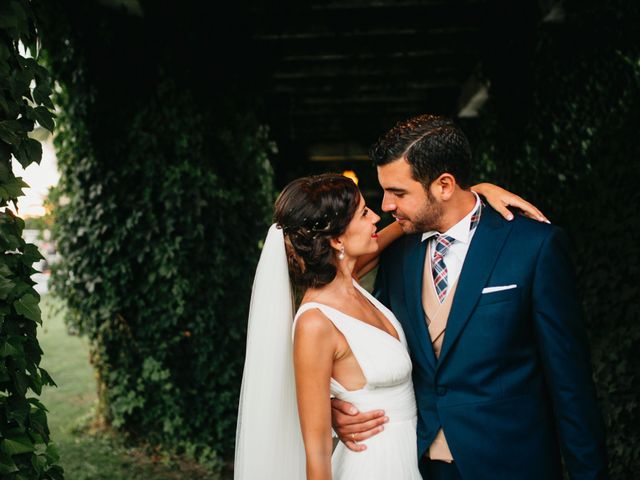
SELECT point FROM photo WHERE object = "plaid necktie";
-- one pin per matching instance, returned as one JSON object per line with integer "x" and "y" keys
{"x": 438, "y": 267}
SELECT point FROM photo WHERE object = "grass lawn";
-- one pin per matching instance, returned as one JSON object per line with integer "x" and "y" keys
{"x": 85, "y": 455}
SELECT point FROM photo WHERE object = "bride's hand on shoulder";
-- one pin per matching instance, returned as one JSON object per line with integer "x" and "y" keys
{"x": 500, "y": 199}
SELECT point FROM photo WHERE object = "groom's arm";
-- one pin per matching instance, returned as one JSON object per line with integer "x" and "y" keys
{"x": 564, "y": 349}
{"x": 353, "y": 426}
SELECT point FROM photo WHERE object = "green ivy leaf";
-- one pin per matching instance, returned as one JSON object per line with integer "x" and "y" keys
{"x": 19, "y": 84}
{"x": 36, "y": 383}
{"x": 5, "y": 271}
{"x": 10, "y": 131}
{"x": 7, "y": 465}
{"x": 42, "y": 94}
{"x": 38, "y": 421}
{"x": 8, "y": 349}
{"x": 21, "y": 382}
{"x": 6, "y": 285}
{"x": 31, "y": 254}
{"x": 46, "y": 380}
{"x": 37, "y": 404}
{"x": 27, "y": 306}
{"x": 13, "y": 187}
{"x": 39, "y": 463}
{"x": 52, "y": 452}
{"x": 18, "y": 409}
{"x": 44, "y": 117}
{"x": 20, "y": 443}
{"x": 29, "y": 151}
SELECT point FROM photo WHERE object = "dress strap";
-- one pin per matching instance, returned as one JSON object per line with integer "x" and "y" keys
{"x": 305, "y": 307}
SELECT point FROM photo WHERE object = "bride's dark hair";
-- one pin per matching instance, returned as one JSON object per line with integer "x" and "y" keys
{"x": 311, "y": 211}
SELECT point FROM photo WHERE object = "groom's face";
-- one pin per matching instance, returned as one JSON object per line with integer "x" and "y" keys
{"x": 413, "y": 207}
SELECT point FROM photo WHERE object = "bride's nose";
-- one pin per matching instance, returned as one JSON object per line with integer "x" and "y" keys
{"x": 376, "y": 218}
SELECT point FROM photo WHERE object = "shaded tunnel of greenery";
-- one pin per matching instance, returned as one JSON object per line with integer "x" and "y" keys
{"x": 168, "y": 181}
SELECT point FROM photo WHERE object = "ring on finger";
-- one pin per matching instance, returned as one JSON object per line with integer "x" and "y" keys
{"x": 353, "y": 436}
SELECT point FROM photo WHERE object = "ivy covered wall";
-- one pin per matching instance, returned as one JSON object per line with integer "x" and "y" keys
{"x": 566, "y": 138}
{"x": 166, "y": 193}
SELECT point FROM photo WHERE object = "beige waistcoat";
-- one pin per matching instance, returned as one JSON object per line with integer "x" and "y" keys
{"x": 436, "y": 316}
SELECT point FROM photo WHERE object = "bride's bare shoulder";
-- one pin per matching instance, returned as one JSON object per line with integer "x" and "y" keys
{"x": 314, "y": 326}
{"x": 312, "y": 321}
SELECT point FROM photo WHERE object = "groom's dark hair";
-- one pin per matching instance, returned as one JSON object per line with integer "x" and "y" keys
{"x": 432, "y": 145}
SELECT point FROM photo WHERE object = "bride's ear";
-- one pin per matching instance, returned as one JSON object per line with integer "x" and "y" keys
{"x": 336, "y": 244}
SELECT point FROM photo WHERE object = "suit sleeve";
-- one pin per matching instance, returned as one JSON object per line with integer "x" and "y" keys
{"x": 564, "y": 349}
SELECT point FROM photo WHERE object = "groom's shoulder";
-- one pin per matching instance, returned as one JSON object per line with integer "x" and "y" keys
{"x": 524, "y": 230}
{"x": 535, "y": 227}
{"x": 401, "y": 246}
{"x": 532, "y": 232}
{"x": 406, "y": 242}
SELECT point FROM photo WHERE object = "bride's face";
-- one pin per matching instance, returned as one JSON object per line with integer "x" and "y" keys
{"x": 360, "y": 236}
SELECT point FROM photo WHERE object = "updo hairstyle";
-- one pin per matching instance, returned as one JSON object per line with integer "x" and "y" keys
{"x": 311, "y": 211}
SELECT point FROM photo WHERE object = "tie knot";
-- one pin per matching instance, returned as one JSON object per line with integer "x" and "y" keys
{"x": 443, "y": 242}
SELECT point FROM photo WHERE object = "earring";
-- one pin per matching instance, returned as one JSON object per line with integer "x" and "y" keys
{"x": 341, "y": 254}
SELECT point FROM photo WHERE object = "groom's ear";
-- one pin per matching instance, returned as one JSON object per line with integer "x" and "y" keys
{"x": 444, "y": 186}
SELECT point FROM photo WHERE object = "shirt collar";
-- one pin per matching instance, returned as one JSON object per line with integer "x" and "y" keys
{"x": 460, "y": 231}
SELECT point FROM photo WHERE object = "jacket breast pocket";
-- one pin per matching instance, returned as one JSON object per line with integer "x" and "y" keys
{"x": 499, "y": 296}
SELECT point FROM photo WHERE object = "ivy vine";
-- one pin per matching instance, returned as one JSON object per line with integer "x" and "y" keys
{"x": 26, "y": 451}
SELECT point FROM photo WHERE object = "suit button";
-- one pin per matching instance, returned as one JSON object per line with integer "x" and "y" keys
{"x": 442, "y": 391}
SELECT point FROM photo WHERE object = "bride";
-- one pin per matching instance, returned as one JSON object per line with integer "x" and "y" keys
{"x": 341, "y": 343}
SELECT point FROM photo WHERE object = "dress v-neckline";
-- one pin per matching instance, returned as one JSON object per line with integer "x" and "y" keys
{"x": 371, "y": 301}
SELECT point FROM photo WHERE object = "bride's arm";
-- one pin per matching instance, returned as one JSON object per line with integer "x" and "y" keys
{"x": 500, "y": 199}
{"x": 313, "y": 353}
{"x": 386, "y": 237}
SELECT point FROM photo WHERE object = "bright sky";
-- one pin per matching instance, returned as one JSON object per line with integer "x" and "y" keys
{"x": 40, "y": 178}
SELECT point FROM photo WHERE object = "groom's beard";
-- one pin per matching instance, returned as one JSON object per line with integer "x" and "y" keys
{"x": 425, "y": 220}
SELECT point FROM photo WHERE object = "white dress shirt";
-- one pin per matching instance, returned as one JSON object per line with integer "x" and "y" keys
{"x": 461, "y": 233}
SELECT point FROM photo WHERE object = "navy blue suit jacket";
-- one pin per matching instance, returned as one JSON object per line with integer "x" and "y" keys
{"x": 513, "y": 382}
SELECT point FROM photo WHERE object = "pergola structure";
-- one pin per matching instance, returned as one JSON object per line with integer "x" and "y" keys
{"x": 335, "y": 74}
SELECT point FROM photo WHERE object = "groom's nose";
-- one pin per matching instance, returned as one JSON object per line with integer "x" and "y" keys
{"x": 388, "y": 205}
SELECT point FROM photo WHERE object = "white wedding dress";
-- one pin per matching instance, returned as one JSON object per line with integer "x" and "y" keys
{"x": 385, "y": 362}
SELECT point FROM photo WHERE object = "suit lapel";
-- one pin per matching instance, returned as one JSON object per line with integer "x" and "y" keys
{"x": 481, "y": 257}
{"x": 413, "y": 273}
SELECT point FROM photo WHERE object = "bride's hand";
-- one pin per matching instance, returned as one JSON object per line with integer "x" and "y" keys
{"x": 500, "y": 199}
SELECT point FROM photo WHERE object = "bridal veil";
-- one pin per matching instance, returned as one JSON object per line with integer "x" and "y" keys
{"x": 268, "y": 439}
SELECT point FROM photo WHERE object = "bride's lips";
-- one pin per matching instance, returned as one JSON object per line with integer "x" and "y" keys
{"x": 374, "y": 235}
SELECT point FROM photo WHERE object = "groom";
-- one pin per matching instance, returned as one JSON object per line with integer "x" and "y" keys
{"x": 501, "y": 366}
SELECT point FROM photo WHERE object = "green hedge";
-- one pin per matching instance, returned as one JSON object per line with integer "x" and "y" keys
{"x": 577, "y": 155}
{"x": 165, "y": 193}
{"x": 26, "y": 451}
